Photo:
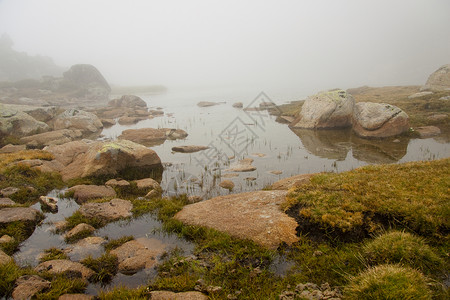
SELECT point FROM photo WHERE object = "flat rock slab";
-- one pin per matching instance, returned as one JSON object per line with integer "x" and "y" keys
{"x": 6, "y": 202}
{"x": 167, "y": 295}
{"x": 12, "y": 214}
{"x": 29, "y": 285}
{"x": 138, "y": 254}
{"x": 428, "y": 131}
{"x": 189, "y": 149}
{"x": 292, "y": 182}
{"x": 253, "y": 215}
{"x": 83, "y": 193}
{"x": 58, "y": 266}
{"x": 112, "y": 210}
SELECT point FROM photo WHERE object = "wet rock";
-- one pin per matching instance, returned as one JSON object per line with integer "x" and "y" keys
{"x": 439, "y": 80}
{"x": 117, "y": 183}
{"x": 207, "y": 103}
{"x": 428, "y": 131}
{"x": 189, "y": 149}
{"x": 379, "y": 120}
{"x": 29, "y": 285}
{"x": 24, "y": 214}
{"x": 420, "y": 94}
{"x": 233, "y": 214}
{"x": 83, "y": 193}
{"x": 126, "y": 120}
{"x": 4, "y": 258}
{"x": 75, "y": 297}
{"x": 12, "y": 148}
{"x": 276, "y": 172}
{"x": 152, "y": 136}
{"x": 230, "y": 175}
{"x": 56, "y": 137}
{"x": 238, "y": 105}
{"x": 130, "y": 101}
{"x": 244, "y": 165}
{"x": 18, "y": 123}
{"x": 290, "y": 182}
{"x": 227, "y": 184}
{"x": 6, "y": 202}
{"x": 76, "y": 119}
{"x": 112, "y": 210}
{"x": 84, "y": 158}
{"x": 59, "y": 266}
{"x": 138, "y": 254}
{"x": 108, "y": 122}
{"x": 166, "y": 295}
{"x": 90, "y": 246}
{"x": 80, "y": 228}
{"x": 49, "y": 203}
{"x": 5, "y": 239}
{"x": 325, "y": 110}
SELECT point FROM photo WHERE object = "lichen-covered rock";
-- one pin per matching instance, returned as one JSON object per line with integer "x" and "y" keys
{"x": 56, "y": 137}
{"x": 130, "y": 101}
{"x": 331, "y": 109}
{"x": 18, "y": 123}
{"x": 29, "y": 285}
{"x": 76, "y": 119}
{"x": 379, "y": 120}
{"x": 83, "y": 193}
{"x": 59, "y": 266}
{"x": 83, "y": 158}
{"x": 440, "y": 79}
{"x": 253, "y": 215}
{"x": 138, "y": 254}
{"x": 112, "y": 210}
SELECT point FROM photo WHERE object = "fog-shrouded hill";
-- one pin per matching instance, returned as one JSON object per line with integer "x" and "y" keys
{"x": 16, "y": 65}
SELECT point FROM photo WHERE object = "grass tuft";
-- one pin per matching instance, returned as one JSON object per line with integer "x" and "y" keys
{"x": 105, "y": 267}
{"x": 53, "y": 253}
{"x": 113, "y": 244}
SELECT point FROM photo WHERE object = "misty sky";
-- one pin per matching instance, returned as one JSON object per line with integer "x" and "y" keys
{"x": 306, "y": 44}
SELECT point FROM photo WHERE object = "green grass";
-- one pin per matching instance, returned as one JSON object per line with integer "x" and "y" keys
{"x": 403, "y": 248}
{"x": 388, "y": 282}
{"x": 20, "y": 231}
{"x": 367, "y": 199}
{"x": 60, "y": 285}
{"x": 53, "y": 253}
{"x": 124, "y": 293}
{"x": 9, "y": 272}
{"x": 77, "y": 218}
{"x": 105, "y": 267}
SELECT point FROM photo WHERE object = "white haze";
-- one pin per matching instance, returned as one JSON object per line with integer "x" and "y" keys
{"x": 304, "y": 45}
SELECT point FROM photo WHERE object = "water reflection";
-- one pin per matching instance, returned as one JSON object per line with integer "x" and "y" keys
{"x": 335, "y": 144}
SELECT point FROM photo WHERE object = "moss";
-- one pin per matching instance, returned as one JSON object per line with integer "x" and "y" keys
{"x": 405, "y": 248}
{"x": 53, "y": 253}
{"x": 356, "y": 203}
{"x": 388, "y": 282}
{"x": 105, "y": 267}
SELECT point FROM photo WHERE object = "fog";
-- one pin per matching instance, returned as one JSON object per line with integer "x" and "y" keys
{"x": 304, "y": 45}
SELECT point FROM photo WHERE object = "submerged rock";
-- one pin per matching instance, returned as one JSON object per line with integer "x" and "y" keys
{"x": 92, "y": 245}
{"x": 244, "y": 165}
{"x": 138, "y": 254}
{"x": 112, "y": 210}
{"x": 325, "y": 110}
{"x": 379, "y": 120}
{"x": 189, "y": 149}
{"x": 233, "y": 214}
{"x": 29, "y": 285}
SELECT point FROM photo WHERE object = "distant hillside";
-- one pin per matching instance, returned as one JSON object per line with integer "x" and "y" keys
{"x": 19, "y": 65}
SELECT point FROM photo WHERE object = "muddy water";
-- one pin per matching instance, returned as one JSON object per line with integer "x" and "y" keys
{"x": 233, "y": 134}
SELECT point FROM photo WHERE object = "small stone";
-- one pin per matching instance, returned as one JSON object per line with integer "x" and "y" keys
{"x": 213, "y": 289}
{"x": 194, "y": 199}
{"x": 238, "y": 105}
{"x": 4, "y": 258}
{"x": 276, "y": 172}
{"x": 60, "y": 225}
{"x": 112, "y": 210}
{"x": 259, "y": 154}
{"x": 420, "y": 94}
{"x": 6, "y": 202}
{"x": 317, "y": 253}
{"x": 117, "y": 183}
{"x": 6, "y": 239}
{"x": 6, "y": 192}
{"x": 50, "y": 203}
{"x": 227, "y": 184}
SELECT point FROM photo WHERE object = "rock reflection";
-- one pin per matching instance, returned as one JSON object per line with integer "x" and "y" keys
{"x": 335, "y": 144}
